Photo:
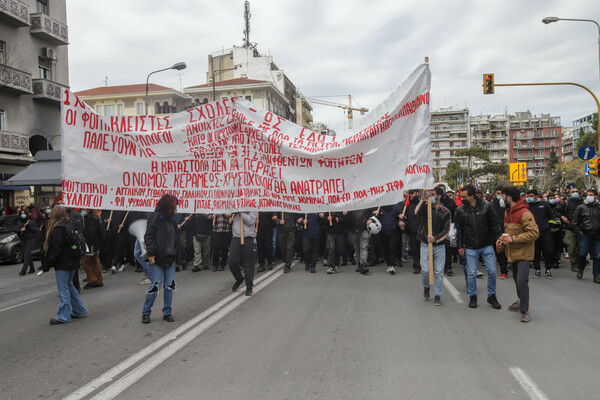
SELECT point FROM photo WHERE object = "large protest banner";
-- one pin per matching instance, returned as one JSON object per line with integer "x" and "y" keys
{"x": 231, "y": 155}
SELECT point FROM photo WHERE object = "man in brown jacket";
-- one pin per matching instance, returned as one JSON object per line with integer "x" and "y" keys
{"x": 520, "y": 233}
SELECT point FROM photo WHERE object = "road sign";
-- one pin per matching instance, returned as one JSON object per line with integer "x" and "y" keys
{"x": 518, "y": 183}
{"x": 587, "y": 172}
{"x": 518, "y": 172}
{"x": 586, "y": 152}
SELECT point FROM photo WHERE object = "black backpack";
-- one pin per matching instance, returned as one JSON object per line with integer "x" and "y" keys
{"x": 75, "y": 241}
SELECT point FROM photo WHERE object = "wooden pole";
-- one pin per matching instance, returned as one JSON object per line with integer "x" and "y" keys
{"x": 330, "y": 221}
{"x": 430, "y": 245}
{"x": 184, "y": 221}
{"x": 109, "y": 217}
{"x": 241, "y": 229}
{"x": 305, "y": 220}
{"x": 214, "y": 219}
{"x": 122, "y": 222}
{"x": 404, "y": 209}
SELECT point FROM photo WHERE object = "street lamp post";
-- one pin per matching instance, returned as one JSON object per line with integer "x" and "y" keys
{"x": 179, "y": 66}
{"x": 549, "y": 20}
{"x": 219, "y": 71}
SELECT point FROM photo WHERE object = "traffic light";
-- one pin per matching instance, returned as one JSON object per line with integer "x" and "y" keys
{"x": 488, "y": 83}
{"x": 594, "y": 167}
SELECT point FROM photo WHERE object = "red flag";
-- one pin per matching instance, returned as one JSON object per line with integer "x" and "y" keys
{"x": 458, "y": 199}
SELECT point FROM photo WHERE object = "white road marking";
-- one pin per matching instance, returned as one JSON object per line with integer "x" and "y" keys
{"x": 453, "y": 292}
{"x": 18, "y": 305}
{"x": 528, "y": 385}
{"x": 127, "y": 381}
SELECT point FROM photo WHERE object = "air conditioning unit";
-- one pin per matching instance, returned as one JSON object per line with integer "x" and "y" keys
{"x": 49, "y": 53}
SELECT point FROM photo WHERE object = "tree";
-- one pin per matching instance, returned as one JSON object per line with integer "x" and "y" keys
{"x": 453, "y": 172}
{"x": 478, "y": 152}
{"x": 590, "y": 138}
{"x": 574, "y": 172}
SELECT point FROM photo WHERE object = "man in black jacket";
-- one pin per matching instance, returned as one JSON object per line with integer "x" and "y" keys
{"x": 439, "y": 235}
{"x": 200, "y": 227}
{"x": 565, "y": 211}
{"x": 543, "y": 244}
{"x": 477, "y": 230}
{"x": 499, "y": 206}
{"x": 586, "y": 221}
{"x": 450, "y": 204}
{"x": 413, "y": 222}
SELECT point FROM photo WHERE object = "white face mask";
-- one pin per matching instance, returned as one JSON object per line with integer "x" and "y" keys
{"x": 502, "y": 204}
{"x": 589, "y": 200}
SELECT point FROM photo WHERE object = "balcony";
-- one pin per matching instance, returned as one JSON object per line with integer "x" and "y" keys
{"x": 11, "y": 142}
{"x": 14, "y": 80}
{"x": 14, "y": 13}
{"x": 49, "y": 29}
{"x": 47, "y": 91}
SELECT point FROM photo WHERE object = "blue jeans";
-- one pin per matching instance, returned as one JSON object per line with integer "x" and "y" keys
{"x": 439, "y": 260}
{"x": 137, "y": 253}
{"x": 587, "y": 244}
{"x": 69, "y": 300}
{"x": 489, "y": 259}
{"x": 158, "y": 276}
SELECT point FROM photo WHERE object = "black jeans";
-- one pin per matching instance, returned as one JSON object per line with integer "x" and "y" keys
{"x": 335, "y": 241}
{"x": 246, "y": 254}
{"x": 220, "y": 242}
{"x": 543, "y": 244}
{"x": 415, "y": 248}
{"x": 28, "y": 246}
{"x": 501, "y": 257}
{"x": 311, "y": 252}
{"x": 521, "y": 277}
{"x": 390, "y": 242}
{"x": 264, "y": 244}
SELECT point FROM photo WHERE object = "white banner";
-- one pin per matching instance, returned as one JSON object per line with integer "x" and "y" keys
{"x": 231, "y": 155}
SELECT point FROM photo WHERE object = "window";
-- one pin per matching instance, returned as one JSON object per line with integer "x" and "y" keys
{"x": 2, "y": 120}
{"x": 2, "y": 52}
{"x": 119, "y": 109}
{"x": 41, "y": 6}
{"x": 139, "y": 108}
{"x": 166, "y": 108}
{"x": 109, "y": 111}
{"x": 43, "y": 68}
{"x": 99, "y": 110}
{"x": 249, "y": 98}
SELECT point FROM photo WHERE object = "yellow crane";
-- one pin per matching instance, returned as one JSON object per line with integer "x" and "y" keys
{"x": 347, "y": 107}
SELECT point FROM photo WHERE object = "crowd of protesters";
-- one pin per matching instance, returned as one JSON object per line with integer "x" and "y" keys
{"x": 516, "y": 231}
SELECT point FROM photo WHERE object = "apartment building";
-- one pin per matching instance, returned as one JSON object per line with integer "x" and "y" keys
{"x": 582, "y": 125}
{"x": 491, "y": 133}
{"x": 531, "y": 140}
{"x": 449, "y": 133}
{"x": 567, "y": 143}
{"x": 33, "y": 74}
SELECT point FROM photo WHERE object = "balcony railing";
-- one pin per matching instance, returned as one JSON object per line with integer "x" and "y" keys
{"x": 45, "y": 90}
{"x": 14, "y": 12}
{"x": 15, "y": 80}
{"x": 49, "y": 29}
{"x": 11, "y": 142}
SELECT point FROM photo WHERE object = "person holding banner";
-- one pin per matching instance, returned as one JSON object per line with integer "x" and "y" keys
{"x": 359, "y": 236}
{"x": 441, "y": 218}
{"x": 264, "y": 241}
{"x": 90, "y": 262}
{"x": 413, "y": 223}
{"x": 162, "y": 245}
{"x": 311, "y": 240}
{"x": 243, "y": 249}
{"x": 335, "y": 228}
{"x": 221, "y": 239}
{"x": 200, "y": 226}
{"x": 286, "y": 236}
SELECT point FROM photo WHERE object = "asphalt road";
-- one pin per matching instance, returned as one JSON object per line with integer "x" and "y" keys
{"x": 301, "y": 336}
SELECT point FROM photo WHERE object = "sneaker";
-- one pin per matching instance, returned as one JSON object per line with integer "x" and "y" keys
{"x": 145, "y": 319}
{"x": 122, "y": 268}
{"x": 365, "y": 270}
{"x": 549, "y": 274}
{"x": 287, "y": 269}
{"x": 579, "y": 274}
{"x": 313, "y": 270}
{"x": 493, "y": 301}
{"x": 426, "y": 293}
{"x": 516, "y": 306}
{"x": 392, "y": 270}
{"x": 248, "y": 291}
{"x": 597, "y": 279}
{"x": 359, "y": 268}
{"x": 330, "y": 271}
{"x": 503, "y": 276}
{"x": 196, "y": 269}
{"x": 145, "y": 281}
{"x": 261, "y": 268}
{"x": 473, "y": 302}
{"x": 450, "y": 272}
{"x": 169, "y": 318}
{"x": 524, "y": 317}
{"x": 237, "y": 284}
{"x": 479, "y": 274}
{"x": 54, "y": 321}
{"x": 336, "y": 269}
{"x": 537, "y": 273}
{"x": 437, "y": 301}
{"x": 113, "y": 269}
{"x": 324, "y": 262}
{"x": 416, "y": 270}
{"x": 574, "y": 268}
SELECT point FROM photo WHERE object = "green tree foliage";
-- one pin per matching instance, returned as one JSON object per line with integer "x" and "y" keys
{"x": 477, "y": 152}
{"x": 454, "y": 172}
{"x": 590, "y": 138}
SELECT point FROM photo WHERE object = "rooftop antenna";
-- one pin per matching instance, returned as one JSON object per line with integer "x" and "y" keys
{"x": 106, "y": 81}
{"x": 180, "y": 84}
{"x": 247, "y": 44}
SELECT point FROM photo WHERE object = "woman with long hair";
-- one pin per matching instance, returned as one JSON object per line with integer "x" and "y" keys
{"x": 162, "y": 245}
{"x": 27, "y": 230}
{"x": 93, "y": 234}
{"x": 58, "y": 255}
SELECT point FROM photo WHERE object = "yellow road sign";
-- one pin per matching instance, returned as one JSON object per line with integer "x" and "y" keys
{"x": 518, "y": 172}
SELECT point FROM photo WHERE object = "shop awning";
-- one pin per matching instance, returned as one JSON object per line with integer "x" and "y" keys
{"x": 47, "y": 171}
{"x": 8, "y": 187}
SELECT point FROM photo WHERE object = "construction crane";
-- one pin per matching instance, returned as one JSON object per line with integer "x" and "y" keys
{"x": 347, "y": 107}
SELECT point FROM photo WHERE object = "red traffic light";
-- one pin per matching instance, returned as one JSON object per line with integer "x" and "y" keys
{"x": 488, "y": 83}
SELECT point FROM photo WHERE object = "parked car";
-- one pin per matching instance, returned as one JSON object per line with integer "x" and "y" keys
{"x": 10, "y": 243}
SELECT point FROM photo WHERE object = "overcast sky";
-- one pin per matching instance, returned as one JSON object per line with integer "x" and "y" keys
{"x": 363, "y": 48}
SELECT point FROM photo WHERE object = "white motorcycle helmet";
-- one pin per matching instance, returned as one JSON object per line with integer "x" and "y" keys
{"x": 375, "y": 226}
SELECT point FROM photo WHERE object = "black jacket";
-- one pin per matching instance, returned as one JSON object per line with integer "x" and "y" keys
{"x": 162, "y": 240}
{"x": 499, "y": 212}
{"x": 93, "y": 233}
{"x": 587, "y": 220}
{"x": 476, "y": 227}
{"x": 337, "y": 227}
{"x": 290, "y": 221}
{"x": 31, "y": 229}
{"x": 200, "y": 224}
{"x": 567, "y": 209}
{"x": 59, "y": 254}
{"x": 414, "y": 221}
{"x": 542, "y": 213}
{"x": 449, "y": 203}
{"x": 440, "y": 222}
{"x": 357, "y": 220}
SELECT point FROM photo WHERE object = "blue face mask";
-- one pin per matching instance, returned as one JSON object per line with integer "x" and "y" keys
{"x": 530, "y": 199}
{"x": 83, "y": 213}
{"x": 23, "y": 216}
{"x": 48, "y": 211}
{"x": 433, "y": 200}
{"x": 575, "y": 195}
{"x": 552, "y": 201}
{"x": 499, "y": 197}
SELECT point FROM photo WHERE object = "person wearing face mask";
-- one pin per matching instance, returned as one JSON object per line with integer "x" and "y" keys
{"x": 565, "y": 211}
{"x": 27, "y": 230}
{"x": 543, "y": 214}
{"x": 586, "y": 221}
{"x": 518, "y": 241}
{"x": 413, "y": 222}
{"x": 499, "y": 206}
{"x": 556, "y": 229}
{"x": 451, "y": 206}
